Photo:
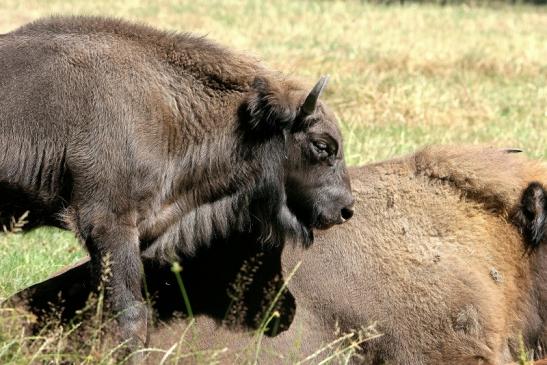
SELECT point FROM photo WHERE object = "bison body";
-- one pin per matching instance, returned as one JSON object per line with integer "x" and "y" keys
{"x": 140, "y": 140}
{"x": 434, "y": 258}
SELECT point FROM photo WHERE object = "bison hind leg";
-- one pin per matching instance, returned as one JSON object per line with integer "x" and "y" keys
{"x": 531, "y": 215}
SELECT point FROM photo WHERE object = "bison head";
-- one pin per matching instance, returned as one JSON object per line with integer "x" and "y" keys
{"x": 317, "y": 186}
{"x": 280, "y": 177}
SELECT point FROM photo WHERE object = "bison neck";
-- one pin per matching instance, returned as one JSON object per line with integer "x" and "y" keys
{"x": 238, "y": 187}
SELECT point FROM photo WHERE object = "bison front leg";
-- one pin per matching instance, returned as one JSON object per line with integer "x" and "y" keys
{"x": 116, "y": 244}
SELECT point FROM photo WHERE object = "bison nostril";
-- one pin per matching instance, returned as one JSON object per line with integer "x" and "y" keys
{"x": 347, "y": 213}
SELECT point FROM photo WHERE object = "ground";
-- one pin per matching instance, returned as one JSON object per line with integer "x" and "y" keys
{"x": 401, "y": 77}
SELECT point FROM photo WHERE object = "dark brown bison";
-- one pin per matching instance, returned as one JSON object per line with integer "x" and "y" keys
{"x": 146, "y": 141}
{"x": 444, "y": 254}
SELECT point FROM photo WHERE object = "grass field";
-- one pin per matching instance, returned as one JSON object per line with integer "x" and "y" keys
{"x": 401, "y": 77}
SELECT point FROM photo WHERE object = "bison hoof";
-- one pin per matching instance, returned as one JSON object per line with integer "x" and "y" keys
{"x": 132, "y": 323}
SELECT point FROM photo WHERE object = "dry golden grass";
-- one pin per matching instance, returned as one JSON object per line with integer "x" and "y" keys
{"x": 401, "y": 76}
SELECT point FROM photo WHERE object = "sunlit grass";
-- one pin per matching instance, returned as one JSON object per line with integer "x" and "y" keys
{"x": 401, "y": 77}
{"x": 28, "y": 258}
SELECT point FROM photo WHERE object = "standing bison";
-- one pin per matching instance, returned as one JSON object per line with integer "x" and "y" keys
{"x": 446, "y": 254}
{"x": 146, "y": 141}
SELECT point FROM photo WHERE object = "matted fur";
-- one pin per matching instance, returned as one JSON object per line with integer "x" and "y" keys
{"x": 433, "y": 257}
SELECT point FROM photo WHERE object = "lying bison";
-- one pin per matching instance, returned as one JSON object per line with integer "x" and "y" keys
{"x": 146, "y": 141}
{"x": 444, "y": 254}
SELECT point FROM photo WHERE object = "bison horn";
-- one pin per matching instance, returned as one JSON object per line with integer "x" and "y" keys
{"x": 512, "y": 150}
{"x": 311, "y": 100}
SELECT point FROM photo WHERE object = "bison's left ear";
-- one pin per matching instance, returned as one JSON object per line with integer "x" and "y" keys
{"x": 531, "y": 215}
{"x": 274, "y": 107}
{"x": 270, "y": 108}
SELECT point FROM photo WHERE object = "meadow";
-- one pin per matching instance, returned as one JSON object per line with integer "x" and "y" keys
{"x": 400, "y": 77}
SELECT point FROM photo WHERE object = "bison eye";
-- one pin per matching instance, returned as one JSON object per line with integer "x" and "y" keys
{"x": 321, "y": 148}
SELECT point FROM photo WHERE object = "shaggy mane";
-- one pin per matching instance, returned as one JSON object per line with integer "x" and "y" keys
{"x": 219, "y": 68}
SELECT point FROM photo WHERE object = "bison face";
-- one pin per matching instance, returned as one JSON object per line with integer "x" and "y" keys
{"x": 317, "y": 183}
{"x": 318, "y": 187}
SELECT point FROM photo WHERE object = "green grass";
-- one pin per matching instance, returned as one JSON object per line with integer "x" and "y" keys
{"x": 28, "y": 258}
{"x": 401, "y": 77}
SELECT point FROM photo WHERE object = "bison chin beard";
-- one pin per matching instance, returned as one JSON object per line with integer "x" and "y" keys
{"x": 295, "y": 230}
{"x": 274, "y": 223}
{"x": 263, "y": 214}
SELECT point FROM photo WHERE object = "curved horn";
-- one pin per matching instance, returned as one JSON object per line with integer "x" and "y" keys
{"x": 311, "y": 100}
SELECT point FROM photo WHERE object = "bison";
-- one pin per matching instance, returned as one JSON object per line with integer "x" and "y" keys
{"x": 446, "y": 254}
{"x": 147, "y": 141}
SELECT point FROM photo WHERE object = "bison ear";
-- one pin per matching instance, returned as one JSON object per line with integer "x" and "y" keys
{"x": 531, "y": 215}
{"x": 270, "y": 108}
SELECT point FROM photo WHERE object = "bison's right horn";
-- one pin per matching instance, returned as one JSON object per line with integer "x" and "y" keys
{"x": 311, "y": 100}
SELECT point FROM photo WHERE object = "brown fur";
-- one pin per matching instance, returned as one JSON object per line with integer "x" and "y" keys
{"x": 431, "y": 256}
{"x": 146, "y": 141}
